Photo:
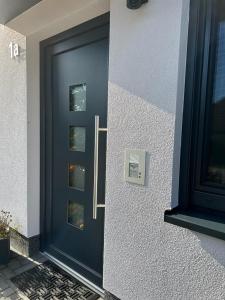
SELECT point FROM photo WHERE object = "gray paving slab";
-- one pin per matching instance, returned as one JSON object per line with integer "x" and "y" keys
{"x": 17, "y": 265}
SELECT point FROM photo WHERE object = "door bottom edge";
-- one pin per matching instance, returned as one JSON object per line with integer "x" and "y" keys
{"x": 74, "y": 274}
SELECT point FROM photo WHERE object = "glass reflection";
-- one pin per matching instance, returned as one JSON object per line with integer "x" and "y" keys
{"x": 77, "y": 177}
{"x": 216, "y": 146}
{"x": 78, "y": 97}
{"x": 76, "y": 214}
{"x": 77, "y": 138}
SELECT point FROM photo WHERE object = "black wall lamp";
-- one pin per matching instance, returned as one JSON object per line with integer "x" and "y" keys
{"x": 134, "y": 4}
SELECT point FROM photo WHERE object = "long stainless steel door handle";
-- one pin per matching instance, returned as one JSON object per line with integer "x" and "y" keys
{"x": 95, "y": 187}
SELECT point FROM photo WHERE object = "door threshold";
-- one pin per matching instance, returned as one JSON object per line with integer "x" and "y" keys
{"x": 76, "y": 275}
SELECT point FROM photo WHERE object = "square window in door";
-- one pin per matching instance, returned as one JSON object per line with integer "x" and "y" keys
{"x": 78, "y": 97}
{"x": 77, "y": 138}
{"x": 76, "y": 214}
{"x": 77, "y": 177}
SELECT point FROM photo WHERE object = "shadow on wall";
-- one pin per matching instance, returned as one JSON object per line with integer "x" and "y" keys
{"x": 147, "y": 168}
{"x": 22, "y": 56}
{"x": 153, "y": 72}
{"x": 213, "y": 246}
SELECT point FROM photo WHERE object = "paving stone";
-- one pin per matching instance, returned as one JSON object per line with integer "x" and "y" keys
{"x": 14, "y": 264}
{"x": 7, "y": 292}
{"x": 7, "y": 273}
{"x": 3, "y": 284}
{"x": 14, "y": 296}
{"x": 37, "y": 256}
{"x": 2, "y": 267}
{"x": 41, "y": 260}
{"x": 24, "y": 268}
{"x": 23, "y": 260}
{"x": 17, "y": 265}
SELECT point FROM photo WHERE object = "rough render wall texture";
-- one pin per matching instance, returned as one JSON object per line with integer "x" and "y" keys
{"x": 13, "y": 129}
{"x": 145, "y": 258}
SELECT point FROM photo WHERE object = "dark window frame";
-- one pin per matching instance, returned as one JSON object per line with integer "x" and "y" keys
{"x": 201, "y": 206}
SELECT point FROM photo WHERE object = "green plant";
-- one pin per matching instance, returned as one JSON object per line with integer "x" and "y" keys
{"x": 5, "y": 221}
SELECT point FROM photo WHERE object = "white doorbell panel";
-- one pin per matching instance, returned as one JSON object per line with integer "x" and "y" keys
{"x": 135, "y": 166}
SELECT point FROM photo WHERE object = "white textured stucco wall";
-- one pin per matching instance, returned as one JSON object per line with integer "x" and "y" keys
{"x": 13, "y": 129}
{"x": 145, "y": 258}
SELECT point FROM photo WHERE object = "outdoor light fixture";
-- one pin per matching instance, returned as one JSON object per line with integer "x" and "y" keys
{"x": 134, "y": 4}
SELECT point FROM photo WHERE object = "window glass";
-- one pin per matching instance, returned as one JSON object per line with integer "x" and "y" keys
{"x": 77, "y": 138}
{"x": 76, "y": 214}
{"x": 77, "y": 177}
{"x": 216, "y": 144}
{"x": 78, "y": 97}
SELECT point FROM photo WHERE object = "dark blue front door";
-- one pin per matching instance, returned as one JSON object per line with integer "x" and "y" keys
{"x": 75, "y": 92}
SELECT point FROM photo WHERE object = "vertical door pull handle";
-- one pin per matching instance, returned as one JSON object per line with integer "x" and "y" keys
{"x": 95, "y": 187}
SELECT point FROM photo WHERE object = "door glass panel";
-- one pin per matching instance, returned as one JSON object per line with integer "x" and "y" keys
{"x": 77, "y": 138}
{"x": 77, "y": 177}
{"x": 76, "y": 214}
{"x": 78, "y": 97}
{"x": 216, "y": 142}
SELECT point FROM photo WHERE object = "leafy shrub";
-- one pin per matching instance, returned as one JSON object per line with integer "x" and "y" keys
{"x": 5, "y": 220}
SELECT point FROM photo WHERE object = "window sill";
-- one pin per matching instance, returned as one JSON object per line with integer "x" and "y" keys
{"x": 206, "y": 223}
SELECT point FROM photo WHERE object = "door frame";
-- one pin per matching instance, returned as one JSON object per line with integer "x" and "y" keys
{"x": 46, "y": 125}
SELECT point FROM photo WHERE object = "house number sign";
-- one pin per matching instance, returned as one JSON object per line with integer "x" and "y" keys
{"x": 14, "y": 50}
